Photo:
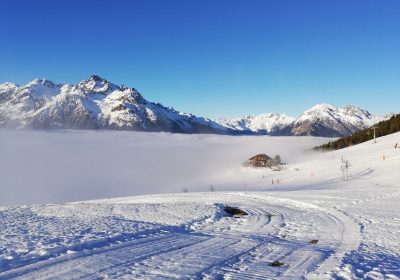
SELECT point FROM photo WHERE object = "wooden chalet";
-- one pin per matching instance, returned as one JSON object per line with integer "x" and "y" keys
{"x": 261, "y": 160}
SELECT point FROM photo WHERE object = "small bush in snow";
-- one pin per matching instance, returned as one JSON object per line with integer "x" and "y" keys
{"x": 276, "y": 263}
{"x": 234, "y": 211}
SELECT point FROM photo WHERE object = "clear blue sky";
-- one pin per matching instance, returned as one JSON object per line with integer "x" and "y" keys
{"x": 213, "y": 57}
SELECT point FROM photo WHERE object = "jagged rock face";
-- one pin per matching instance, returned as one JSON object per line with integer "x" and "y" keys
{"x": 96, "y": 103}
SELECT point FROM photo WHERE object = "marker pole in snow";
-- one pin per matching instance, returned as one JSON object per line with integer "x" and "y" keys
{"x": 374, "y": 128}
{"x": 345, "y": 169}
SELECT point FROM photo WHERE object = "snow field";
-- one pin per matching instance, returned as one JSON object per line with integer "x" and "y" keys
{"x": 355, "y": 223}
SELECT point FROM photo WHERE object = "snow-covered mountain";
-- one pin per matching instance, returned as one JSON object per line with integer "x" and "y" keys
{"x": 321, "y": 120}
{"x": 93, "y": 104}
{"x": 271, "y": 124}
{"x": 96, "y": 103}
{"x": 328, "y": 120}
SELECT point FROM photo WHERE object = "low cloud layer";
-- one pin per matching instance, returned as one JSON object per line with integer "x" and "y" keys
{"x": 61, "y": 166}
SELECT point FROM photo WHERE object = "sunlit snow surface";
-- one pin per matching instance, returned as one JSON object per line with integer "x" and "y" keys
{"x": 187, "y": 235}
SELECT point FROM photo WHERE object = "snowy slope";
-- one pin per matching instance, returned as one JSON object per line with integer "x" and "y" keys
{"x": 96, "y": 103}
{"x": 356, "y": 223}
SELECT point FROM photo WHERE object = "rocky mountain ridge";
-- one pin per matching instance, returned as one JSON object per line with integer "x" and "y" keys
{"x": 96, "y": 103}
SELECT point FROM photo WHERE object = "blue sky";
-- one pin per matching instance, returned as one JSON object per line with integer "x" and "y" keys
{"x": 213, "y": 57}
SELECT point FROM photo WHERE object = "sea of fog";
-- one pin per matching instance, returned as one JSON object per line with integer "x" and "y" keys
{"x": 62, "y": 166}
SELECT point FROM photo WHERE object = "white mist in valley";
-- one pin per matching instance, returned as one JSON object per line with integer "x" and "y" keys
{"x": 61, "y": 166}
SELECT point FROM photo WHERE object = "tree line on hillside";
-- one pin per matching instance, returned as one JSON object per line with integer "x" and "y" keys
{"x": 383, "y": 128}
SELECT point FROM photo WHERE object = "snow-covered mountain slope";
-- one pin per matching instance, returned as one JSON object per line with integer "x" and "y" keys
{"x": 99, "y": 104}
{"x": 321, "y": 120}
{"x": 92, "y": 104}
{"x": 327, "y": 120}
{"x": 315, "y": 223}
{"x": 270, "y": 124}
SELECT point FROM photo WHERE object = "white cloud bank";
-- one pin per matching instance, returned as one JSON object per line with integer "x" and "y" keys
{"x": 61, "y": 166}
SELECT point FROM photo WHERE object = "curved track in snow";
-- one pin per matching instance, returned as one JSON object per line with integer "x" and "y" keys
{"x": 220, "y": 246}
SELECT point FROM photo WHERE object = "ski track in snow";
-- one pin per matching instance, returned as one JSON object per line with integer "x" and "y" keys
{"x": 234, "y": 248}
{"x": 355, "y": 223}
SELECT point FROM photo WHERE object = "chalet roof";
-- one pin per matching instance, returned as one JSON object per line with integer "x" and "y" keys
{"x": 260, "y": 157}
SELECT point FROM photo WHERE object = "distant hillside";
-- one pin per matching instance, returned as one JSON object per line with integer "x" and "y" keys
{"x": 389, "y": 126}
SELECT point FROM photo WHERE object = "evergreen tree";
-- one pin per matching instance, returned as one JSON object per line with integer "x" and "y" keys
{"x": 383, "y": 128}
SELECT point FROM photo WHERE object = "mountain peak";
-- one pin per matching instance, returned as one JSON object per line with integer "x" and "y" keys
{"x": 322, "y": 107}
{"x": 352, "y": 109}
{"x": 8, "y": 86}
{"x": 41, "y": 81}
{"x": 349, "y": 106}
{"x": 42, "y": 88}
{"x": 96, "y": 78}
{"x": 97, "y": 84}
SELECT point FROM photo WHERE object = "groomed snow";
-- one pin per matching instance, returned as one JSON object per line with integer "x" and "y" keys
{"x": 354, "y": 223}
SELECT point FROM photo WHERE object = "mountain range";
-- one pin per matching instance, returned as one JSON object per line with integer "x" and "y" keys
{"x": 321, "y": 120}
{"x": 96, "y": 103}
